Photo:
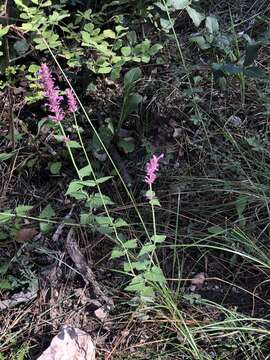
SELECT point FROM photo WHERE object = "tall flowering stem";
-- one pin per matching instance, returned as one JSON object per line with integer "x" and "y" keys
{"x": 52, "y": 93}
{"x": 152, "y": 168}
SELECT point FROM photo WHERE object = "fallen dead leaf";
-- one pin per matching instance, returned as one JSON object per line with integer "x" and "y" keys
{"x": 26, "y": 234}
{"x": 70, "y": 344}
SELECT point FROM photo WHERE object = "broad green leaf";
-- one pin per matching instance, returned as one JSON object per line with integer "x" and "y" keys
{"x": 147, "y": 248}
{"x": 73, "y": 144}
{"x": 87, "y": 219}
{"x": 155, "y": 274}
{"x": 3, "y": 30}
{"x": 109, "y": 34}
{"x": 196, "y": 17}
{"x": 5, "y": 285}
{"x": 180, "y": 4}
{"x": 55, "y": 167}
{"x": 201, "y": 42}
{"x": 85, "y": 171}
{"x": 158, "y": 238}
{"x": 211, "y": 24}
{"x": 130, "y": 244}
{"x": 120, "y": 222}
{"x": 47, "y": 213}
{"x": 97, "y": 200}
{"x": 155, "y": 49}
{"x": 154, "y": 202}
{"x": 137, "y": 284}
{"x": 5, "y": 217}
{"x": 127, "y": 145}
{"x": 22, "y": 210}
{"x": 21, "y": 46}
{"x": 251, "y": 53}
{"x": 105, "y": 70}
{"x": 132, "y": 76}
{"x": 104, "y": 220}
{"x": 126, "y": 50}
{"x": 117, "y": 253}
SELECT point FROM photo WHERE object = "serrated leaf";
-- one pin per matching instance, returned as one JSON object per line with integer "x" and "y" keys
{"x": 195, "y": 16}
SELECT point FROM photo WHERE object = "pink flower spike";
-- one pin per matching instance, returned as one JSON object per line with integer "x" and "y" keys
{"x": 52, "y": 93}
{"x": 151, "y": 169}
{"x": 72, "y": 103}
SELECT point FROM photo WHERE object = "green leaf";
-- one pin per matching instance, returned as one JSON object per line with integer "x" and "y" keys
{"x": 251, "y": 53}
{"x": 98, "y": 200}
{"x": 5, "y": 217}
{"x": 104, "y": 220}
{"x": 85, "y": 171}
{"x": 158, "y": 238}
{"x": 201, "y": 42}
{"x": 21, "y": 46}
{"x": 130, "y": 244}
{"x": 55, "y": 167}
{"x": 131, "y": 77}
{"x": 254, "y": 72}
{"x": 3, "y": 30}
{"x": 120, "y": 222}
{"x": 147, "y": 248}
{"x": 22, "y": 210}
{"x": 126, "y": 50}
{"x": 137, "y": 284}
{"x": 73, "y": 144}
{"x": 155, "y": 275}
{"x": 154, "y": 202}
{"x": 6, "y": 156}
{"x": 5, "y": 285}
{"x": 105, "y": 70}
{"x": 232, "y": 69}
{"x": 87, "y": 219}
{"x": 212, "y": 25}
{"x": 109, "y": 34}
{"x": 47, "y": 213}
{"x": 117, "y": 253}
{"x": 127, "y": 145}
{"x": 196, "y": 17}
{"x": 155, "y": 49}
{"x": 180, "y": 4}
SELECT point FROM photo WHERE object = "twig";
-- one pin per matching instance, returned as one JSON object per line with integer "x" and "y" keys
{"x": 82, "y": 266}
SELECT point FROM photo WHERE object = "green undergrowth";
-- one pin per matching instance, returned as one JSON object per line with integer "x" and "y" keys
{"x": 186, "y": 257}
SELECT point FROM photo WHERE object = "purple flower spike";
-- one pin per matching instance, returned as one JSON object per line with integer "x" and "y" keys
{"x": 51, "y": 93}
{"x": 151, "y": 169}
{"x": 72, "y": 103}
